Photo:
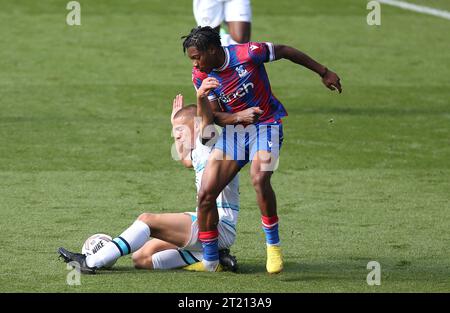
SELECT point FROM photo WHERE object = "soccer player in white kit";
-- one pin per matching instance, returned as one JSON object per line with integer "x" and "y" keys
{"x": 174, "y": 242}
{"x": 237, "y": 14}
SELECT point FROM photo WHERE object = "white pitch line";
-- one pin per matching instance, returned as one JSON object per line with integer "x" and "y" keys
{"x": 417, "y": 8}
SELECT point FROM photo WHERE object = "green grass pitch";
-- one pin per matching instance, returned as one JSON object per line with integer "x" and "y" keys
{"x": 85, "y": 145}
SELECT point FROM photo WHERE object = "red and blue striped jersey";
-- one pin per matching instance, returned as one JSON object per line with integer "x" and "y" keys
{"x": 244, "y": 82}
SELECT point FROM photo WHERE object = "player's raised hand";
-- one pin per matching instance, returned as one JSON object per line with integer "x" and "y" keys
{"x": 332, "y": 81}
{"x": 249, "y": 116}
{"x": 208, "y": 84}
{"x": 177, "y": 105}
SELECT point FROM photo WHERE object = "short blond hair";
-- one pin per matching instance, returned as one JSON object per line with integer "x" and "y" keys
{"x": 189, "y": 111}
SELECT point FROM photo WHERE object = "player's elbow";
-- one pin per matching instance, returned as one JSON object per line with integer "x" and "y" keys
{"x": 187, "y": 163}
{"x": 281, "y": 51}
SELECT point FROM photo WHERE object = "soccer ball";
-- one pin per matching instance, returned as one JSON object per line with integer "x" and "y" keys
{"x": 94, "y": 243}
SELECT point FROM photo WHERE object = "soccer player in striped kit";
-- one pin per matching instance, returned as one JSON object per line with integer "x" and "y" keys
{"x": 243, "y": 96}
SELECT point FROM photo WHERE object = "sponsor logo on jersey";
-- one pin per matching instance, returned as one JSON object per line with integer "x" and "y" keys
{"x": 241, "y": 71}
{"x": 253, "y": 47}
{"x": 239, "y": 93}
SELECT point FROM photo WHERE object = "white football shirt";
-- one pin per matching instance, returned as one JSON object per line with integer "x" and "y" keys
{"x": 228, "y": 199}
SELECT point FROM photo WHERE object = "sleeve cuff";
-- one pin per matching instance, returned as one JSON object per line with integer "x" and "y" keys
{"x": 271, "y": 51}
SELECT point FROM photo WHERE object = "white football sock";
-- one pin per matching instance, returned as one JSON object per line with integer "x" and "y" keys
{"x": 172, "y": 258}
{"x": 136, "y": 235}
{"x": 128, "y": 242}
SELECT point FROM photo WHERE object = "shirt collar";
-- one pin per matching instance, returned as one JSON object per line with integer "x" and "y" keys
{"x": 227, "y": 60}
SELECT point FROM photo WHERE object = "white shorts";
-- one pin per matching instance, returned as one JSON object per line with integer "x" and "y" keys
{"x": 214, "y": 12}
{"x": 227, "y": 235}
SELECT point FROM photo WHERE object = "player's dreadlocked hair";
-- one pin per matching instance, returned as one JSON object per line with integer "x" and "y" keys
{"x": 201, "y": 38}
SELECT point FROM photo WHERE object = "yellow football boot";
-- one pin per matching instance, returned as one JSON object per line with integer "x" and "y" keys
{"x": 200, "y": 267}
{"x": 274, "y": 259}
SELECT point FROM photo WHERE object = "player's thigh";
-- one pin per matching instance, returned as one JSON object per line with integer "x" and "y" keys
{"x": 260, "y": 169}
{"x": 208, "y": 12}
{"x": 174, "y": 228}
{"x": 219, "y": 171}
{"x": 238, "y": 11}
{"x": 265, "y": 146}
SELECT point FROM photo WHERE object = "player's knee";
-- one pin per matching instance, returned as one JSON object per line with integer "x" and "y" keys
{"x": 147, "y": 218}
{"x": 142, "y": 261}
{"x": 136, "y": 257}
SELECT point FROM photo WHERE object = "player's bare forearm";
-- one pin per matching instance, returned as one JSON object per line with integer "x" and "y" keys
{"x": 211, "y": 111}
{"x": 224, "y": 118}
{"x": 245, "y": 117}
{"x": 330, "y": 79}
{"x": 207, "y": 118}
{"x": 296, "y": 56}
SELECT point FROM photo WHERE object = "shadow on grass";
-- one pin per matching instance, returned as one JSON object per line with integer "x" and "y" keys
{"x": 295, "y": 272}
{"x": 122, "y": 269}
{"x": 402, "y": 270}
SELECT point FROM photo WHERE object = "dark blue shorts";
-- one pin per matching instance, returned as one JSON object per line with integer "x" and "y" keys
{"x": 242, "y": 143}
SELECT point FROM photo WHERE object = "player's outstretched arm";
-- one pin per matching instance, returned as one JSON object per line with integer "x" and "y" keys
{"x": 177, "y": 105}
{"x": 182, "y": 152}
{"x": 329, "y": 78}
